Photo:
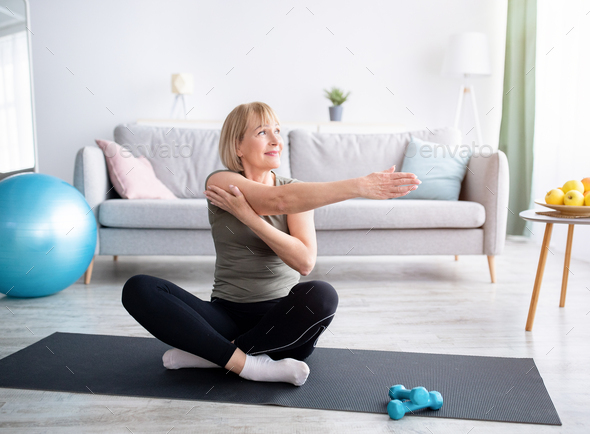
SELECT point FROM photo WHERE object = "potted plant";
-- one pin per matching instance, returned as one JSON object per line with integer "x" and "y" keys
{"x": 337, "y": 97}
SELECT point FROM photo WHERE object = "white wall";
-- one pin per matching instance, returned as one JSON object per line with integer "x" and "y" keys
{"x": 125, "y": 51}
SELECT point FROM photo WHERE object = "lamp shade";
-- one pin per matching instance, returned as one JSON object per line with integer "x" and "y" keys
{"x": 182, "y": 84}
{"x": 467, "y": 54}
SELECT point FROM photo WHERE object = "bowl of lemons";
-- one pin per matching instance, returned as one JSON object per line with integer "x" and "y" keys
{"x": 571, "y": 199}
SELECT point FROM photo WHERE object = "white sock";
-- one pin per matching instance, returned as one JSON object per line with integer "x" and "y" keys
{"x": 176, "y": 359}
{"x": 263, "y": 368}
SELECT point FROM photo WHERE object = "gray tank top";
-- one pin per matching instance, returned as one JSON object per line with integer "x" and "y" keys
{"x": 247, "y": 270}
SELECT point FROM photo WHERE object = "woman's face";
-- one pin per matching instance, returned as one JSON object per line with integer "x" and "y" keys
{"x": 262, "y": 146}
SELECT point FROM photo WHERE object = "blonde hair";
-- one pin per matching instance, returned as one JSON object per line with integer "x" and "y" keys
{"x": 234, "y": 128}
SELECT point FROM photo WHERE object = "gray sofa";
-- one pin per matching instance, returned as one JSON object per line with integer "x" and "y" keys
{"x": 183, "y": 157}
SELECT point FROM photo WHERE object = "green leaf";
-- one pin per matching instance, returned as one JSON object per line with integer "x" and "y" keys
{"x": 336, "y": 95}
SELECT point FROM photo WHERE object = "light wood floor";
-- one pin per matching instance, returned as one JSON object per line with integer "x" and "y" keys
{"x": 422, "y": 304}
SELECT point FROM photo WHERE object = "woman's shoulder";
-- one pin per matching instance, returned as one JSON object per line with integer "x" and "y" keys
{"x": 228, "y": 171}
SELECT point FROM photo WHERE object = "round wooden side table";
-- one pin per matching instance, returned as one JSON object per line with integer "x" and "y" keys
{"x": 531, "y": 215}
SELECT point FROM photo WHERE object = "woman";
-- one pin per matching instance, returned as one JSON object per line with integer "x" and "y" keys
{"x": 261, "y": 322}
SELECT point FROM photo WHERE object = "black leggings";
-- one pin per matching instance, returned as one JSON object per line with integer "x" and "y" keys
{"x": 283, "y": 327}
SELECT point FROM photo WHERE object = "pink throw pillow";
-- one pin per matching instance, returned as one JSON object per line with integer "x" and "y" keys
{"x": 133, "y": 178}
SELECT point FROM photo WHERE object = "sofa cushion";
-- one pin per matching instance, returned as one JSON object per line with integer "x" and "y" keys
{"x": 318, "y": 157}
{"x": 154, "y": 214}
{"x": 182, "y": 158}
{"x": 350, "y": 214}
{"x": 407, "y": 214}
{"x": 441, "y": 169}
{"x": 133, "y": 178}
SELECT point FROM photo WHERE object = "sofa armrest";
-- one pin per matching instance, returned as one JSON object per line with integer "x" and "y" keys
{"x": 91, "y": 178}
{"x": 487, "y": 182}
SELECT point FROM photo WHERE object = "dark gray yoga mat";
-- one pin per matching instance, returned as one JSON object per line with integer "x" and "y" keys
{"x": 481, "y": 388}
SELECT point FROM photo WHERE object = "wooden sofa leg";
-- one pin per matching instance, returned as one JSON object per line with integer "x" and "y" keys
{"x": 115, "y": 258}
{"x": 456, "y": 257}
{"x": 88, "y": 274}
{"x": 492, "y": 265}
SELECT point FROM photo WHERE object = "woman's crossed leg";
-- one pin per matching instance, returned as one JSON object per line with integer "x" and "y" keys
{"x": 181, "y": 319}
{"x": 201, "y": 331}
{"x": 292, "y": 326}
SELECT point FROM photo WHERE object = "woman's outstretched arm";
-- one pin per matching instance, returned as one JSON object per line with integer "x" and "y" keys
{"x": 304, "y": 196}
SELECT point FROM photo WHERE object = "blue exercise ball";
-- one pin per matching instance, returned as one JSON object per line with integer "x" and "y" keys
{"x": 47, "y": 235}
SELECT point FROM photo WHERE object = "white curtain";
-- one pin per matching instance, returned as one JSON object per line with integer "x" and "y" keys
{"x": 16, "y": 123}
{"x": 562, "y": 112}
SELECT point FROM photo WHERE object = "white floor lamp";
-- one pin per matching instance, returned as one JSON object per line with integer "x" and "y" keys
{"x": 182, "y": 84}
{"x": 467, "y": 56}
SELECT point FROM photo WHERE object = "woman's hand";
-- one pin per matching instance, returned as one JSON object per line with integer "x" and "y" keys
{"x": 234, "y": 202}
{"x": 388, "y": 184}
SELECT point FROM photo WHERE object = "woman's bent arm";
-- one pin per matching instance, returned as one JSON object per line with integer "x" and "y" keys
{"x": 298, "y": 254}
{"x": 297, "y": 249}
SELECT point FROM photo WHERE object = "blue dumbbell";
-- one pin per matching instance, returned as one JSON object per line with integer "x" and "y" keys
{"x": 397, "y": 409}
{"x": 418, "y": 395}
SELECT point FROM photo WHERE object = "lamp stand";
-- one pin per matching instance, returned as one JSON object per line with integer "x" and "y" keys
{"x": 462, "y": 91}
{"x": 181, "y": 98}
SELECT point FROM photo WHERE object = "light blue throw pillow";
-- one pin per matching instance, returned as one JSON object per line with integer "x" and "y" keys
{"x": 440, "y": 168}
